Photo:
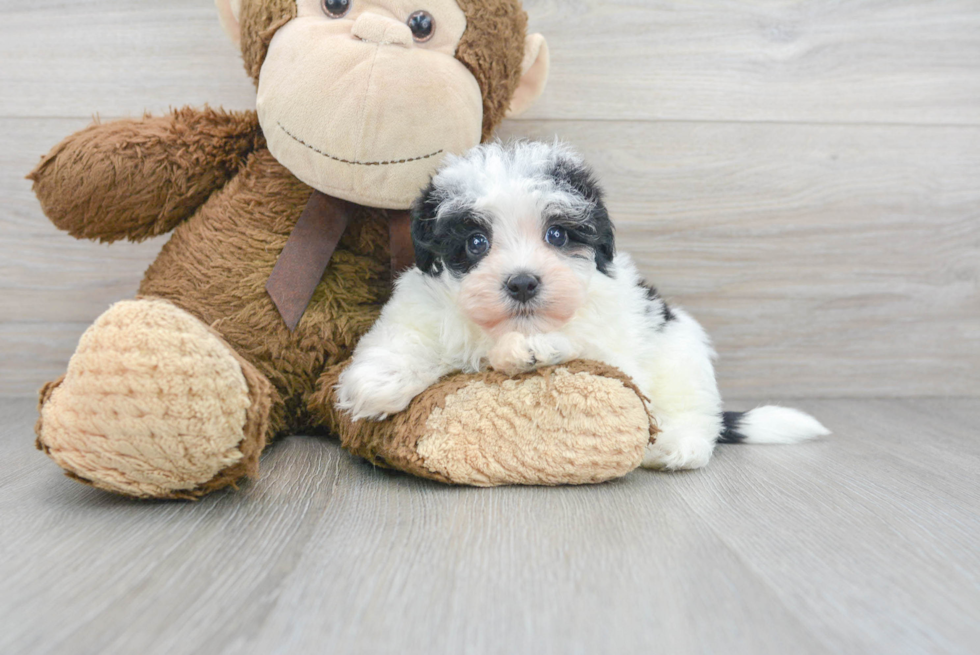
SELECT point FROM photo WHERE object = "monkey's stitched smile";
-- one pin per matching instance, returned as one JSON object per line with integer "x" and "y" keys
{"x": 355, "y": 163}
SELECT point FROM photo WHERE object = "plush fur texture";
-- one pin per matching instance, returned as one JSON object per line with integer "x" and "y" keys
{"x": 137, "y": 179}
{"x": 585, "y": 429}
{"x": 177, "y": 408}
{"x": 492, "y": 47}
{"x": 580, "y": 423}
{"x": 519, "y": 270}
{"x": 260, "y": 20}
{"x": 216, "y": 266}
{"x": 367, "y": 69}
{"x": 208, "y": 176}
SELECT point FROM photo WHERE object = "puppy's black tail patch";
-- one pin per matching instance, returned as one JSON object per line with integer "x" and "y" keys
{"x": 729, "y": 430}
{"x": 769, "y": 424}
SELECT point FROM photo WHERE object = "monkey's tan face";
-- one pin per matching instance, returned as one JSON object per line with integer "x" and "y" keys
{"x": 361, "y": 105}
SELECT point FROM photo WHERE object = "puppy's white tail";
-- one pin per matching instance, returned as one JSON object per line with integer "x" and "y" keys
{"x": 770, "y": 424}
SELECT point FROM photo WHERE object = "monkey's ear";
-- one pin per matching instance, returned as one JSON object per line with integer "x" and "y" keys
{"x": 229, "y": 11}
{"x": 534, "y": 75}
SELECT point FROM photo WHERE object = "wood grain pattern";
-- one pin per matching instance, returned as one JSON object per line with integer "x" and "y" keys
{"x": 862, "y": 61}
{"x": 114, "y": 58}
{"x": 801, "y": 175}
{"x": 861, "y": 542}
{"x": 824, "y": 260}
{"x": 867, "y": 61}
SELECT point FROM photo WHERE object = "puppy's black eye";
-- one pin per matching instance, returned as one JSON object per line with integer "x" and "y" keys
{"x": 477, "y": 244}
{"x": 423, "y": 26}
{"x": 337, "y": 8}
{"x": 556, "y": 236}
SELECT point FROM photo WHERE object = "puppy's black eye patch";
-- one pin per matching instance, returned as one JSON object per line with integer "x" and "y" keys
{"x": 447, "y": 239}
{"x": 461, "y": 242}
{"x": 594, "y": 233}
{"x": 594, "y": 230}
{"x": 458, "y": 240}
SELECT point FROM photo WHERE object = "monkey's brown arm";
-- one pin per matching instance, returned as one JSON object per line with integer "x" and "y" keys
{"x": 136, "y": 179}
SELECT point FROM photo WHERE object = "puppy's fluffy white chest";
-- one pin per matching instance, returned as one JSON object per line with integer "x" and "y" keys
{"x": 517, "y": 268}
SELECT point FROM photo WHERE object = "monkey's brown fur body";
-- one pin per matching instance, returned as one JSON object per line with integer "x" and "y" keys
{"x": 176, "y": 394}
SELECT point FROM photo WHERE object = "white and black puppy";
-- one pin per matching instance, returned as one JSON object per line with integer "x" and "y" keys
{"x": 517, "y": 268}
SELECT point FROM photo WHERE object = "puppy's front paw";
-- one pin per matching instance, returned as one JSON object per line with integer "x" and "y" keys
{"x": 373, "y": 391}
{"x": 512, "y": 354}
{"x": 551, "y": 348}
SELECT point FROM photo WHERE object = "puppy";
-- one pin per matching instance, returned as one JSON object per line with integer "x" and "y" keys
{"x": 517, "y": 268}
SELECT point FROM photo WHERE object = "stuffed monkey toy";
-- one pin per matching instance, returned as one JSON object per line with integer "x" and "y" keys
{"x": 288, "y": 223}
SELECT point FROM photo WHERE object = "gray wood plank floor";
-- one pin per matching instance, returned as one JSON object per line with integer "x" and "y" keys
{"x": 864, "y": 542}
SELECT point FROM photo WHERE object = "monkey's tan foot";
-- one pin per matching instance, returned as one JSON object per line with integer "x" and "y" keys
{"x": 155, "y": 405}
{"x": 576, "y": 423}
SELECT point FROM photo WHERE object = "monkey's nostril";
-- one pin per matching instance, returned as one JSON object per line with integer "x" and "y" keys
{"x": 522, "y": 287}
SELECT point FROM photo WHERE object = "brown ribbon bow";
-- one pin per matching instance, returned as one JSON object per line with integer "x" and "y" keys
{"x": 311, "y": 245}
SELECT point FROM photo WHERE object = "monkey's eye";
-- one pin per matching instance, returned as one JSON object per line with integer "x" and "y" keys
{"x": 423, "y": 26}
{"x": 337, "y": 8}
{"x": 556, "y": 236}
{"x": 477, "y": 244}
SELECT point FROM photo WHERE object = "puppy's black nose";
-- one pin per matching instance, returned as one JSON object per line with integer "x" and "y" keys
{"x": 522, "y": 287}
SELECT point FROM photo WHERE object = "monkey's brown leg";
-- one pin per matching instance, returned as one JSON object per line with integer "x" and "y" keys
{"x": 155, "y": 405}
{"x": 577, "y": 423}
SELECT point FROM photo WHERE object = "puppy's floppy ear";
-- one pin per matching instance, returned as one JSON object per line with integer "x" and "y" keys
{"x": 423, "y": 231}
{"x": 605, "y": 245}
{"x": 580, "y": 178}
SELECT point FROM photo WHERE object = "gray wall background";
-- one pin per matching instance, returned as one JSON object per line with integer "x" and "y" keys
{"x": 803, "y": 176}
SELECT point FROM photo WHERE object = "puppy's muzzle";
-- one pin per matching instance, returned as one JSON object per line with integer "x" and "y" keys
{"x": 522, "y": 287}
